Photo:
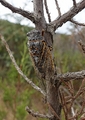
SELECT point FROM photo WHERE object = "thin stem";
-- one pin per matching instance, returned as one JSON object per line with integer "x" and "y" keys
{"x": 58, "y": 8}
{"x": 47, "y": 10}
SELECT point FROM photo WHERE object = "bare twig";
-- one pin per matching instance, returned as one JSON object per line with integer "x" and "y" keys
{"x": 65, "y": 106}
{"x": 67, "y": 85}
{"x": 58, "y": 8}
{"x": 77, "y": 23}
{"x": 83, "y": 104}
{"x": 69, "y": 98}
{"x": 62, "y": 103}
{"x": 66, "y": 17}
{"x": 74, "y": 3}
{"x": 81, "y": 89}
{"x": 24, "y": 13}
{"x": 17, "y": 67}
{"x": 81, "y": 111}
{"x": 36, "y": 114}
{"x": 47, "y": 10}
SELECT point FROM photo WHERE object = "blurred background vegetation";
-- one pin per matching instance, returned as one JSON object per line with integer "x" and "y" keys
{"x": 15, "y": 93}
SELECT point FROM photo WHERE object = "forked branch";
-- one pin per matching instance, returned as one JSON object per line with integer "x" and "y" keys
{"x": 66, "y": 17}
{"x": 52, "y": 26}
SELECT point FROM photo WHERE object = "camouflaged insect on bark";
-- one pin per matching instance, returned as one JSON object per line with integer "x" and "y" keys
{"x": 40, "y": 53}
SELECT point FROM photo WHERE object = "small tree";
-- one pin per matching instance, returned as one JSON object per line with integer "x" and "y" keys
{"x": 41, "y": 47}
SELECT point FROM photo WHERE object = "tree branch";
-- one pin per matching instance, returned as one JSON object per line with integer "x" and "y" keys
{"x": 74, "y": 3}
{"x": 47, "y": 11}
{"x": 77, "y": 23}
{"x": 24, "y": 13}
{"x": 66, "y": 17}
{"x": 17, "y": 67}
{"x": 71, "y": 76}
{"x": 58, "y": 8}
{"x": 36, "y": 114}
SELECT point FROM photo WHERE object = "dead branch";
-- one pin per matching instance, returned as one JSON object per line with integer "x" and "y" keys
{"x": 66, "y": 17}
{"x": 24, "y": 13}
{"x": 47, "y": 10}
{"x": 77, "y": 23}
{"x": 37, "y": 114}
{"x": 58, "y": 8}
{"x": 74, "y": 3}
{"x": 71, "y": 76}
{"x": 17, "y": 67}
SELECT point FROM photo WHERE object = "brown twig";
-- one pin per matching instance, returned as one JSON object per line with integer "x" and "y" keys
{"x": 64, "y": 105}
{"x": 17, "y": 67}
{"x": 47, "y": 10}
{"x": 37, "y": 114}
{"x": 77, "y": 23}
{"x": 67, "y": 85}
{"x": 24, "y": 13}
{"x": 58, "y": 8}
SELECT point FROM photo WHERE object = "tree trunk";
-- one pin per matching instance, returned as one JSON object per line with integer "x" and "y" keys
{"x": 53, "y": 100}
{"x": 52, "y": 90}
